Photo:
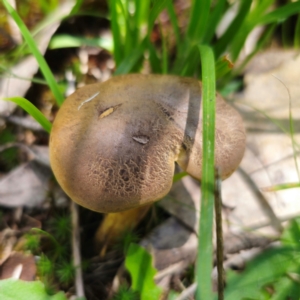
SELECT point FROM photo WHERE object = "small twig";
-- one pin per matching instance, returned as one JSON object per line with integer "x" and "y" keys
{"x": 171, "y": 270}
{"x": 219, "y": 234}
{"x": 25, "y": 122}
{"x": 79, "y": 287}
{"x": 187, "y": 292}
{"x": 267, "y": 223}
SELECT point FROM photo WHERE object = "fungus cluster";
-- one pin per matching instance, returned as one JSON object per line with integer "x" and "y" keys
{"x": 114, "y": 145}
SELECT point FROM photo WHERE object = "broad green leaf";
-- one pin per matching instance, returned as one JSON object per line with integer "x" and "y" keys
{"x": 139, "y": 264}
{"x": 275, "y": 267}
{"x": 12, "y": 289}
{"x": 287, "y": 288}
{"x": 264, "y": 269}
{"x": 291, "y": 236}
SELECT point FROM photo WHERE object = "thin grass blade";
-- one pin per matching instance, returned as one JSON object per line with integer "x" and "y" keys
{"x": 76, "y": 7}
{"x": 69, "y": 41}
{"x": 263, "y": 40}
{"x": 223, "y": 66}
{"x": 174, "y": 22}
{"x": 198, "y": 21}
{"x": 297, "y": 33}
{"x": 32, "y": 110}
{"x": 191, "y": 64}
{"x": 155, "y": 61}
{"x": 280, "y": 187}
{"x": 158, "y": 6}
{"x": 258, "y": 10}
{"x": 281, "y": 13}
{"x": 129, "y": 62}
{"x": 118, "y": 44}
{"x": 179, "y": 176}
{"x": 36, "y": 52}
{"x": 214, "y": 19}
{"x": 233, "y": 28}
{"x": 258, "y": 17}
{"x": 205, "y": 247}
{"x": 164, "y": 51}
{"x": 140, "y": 20}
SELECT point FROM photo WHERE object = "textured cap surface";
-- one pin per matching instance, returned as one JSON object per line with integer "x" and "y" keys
{"x": 113, "y": 145}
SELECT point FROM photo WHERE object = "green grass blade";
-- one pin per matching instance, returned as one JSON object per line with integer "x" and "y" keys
{"x": 158, "y": 6}
{"x": 233, "y": 28}
{"x": 297, "y": 33}
{"x": 69, "y": 41}
{"x": 76, "y": 7}
{"x": 118, "y": 44}
{"x": 179, "y": 176}
{"x": 36, "y": 52}
{"x": 190, "y": 64}
{"x": 8, "y": 72}
{"x": 205, "y": 247}
{"x": 131, "y": 33}
{"x": 32, "y": 110}
{"x": 252, "y": 20}
{"x": 214, "y": 19}
{"x": 174, "y": 22}
{"x": 281, "y": 13}
{"x": 292, "y": 133}
{"x": 276, "y": 122}
{"x": 260, "y": 7}
{"x": 257, "y": 17}
{"x": 140, "y": 20}
{"x": 280, "y": 187}
{"x": 263, "y": 40}
{"x": 155, "y": 61}
{"x": 223, "y": 67}
{"x": 198, "y": 20}
{"x": 164, "y": 51}
{"x": 141, "y": 12}
{"x": 129, "y": 62}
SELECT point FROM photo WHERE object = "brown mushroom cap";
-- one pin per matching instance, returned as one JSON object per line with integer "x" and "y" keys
{"x": 113, "y": 145}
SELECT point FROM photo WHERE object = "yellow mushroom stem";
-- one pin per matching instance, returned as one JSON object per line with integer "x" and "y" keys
{"x": 114, "y": 225}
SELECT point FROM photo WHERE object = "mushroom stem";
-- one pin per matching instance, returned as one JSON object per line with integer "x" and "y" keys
{"x": 114, "y": 225}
